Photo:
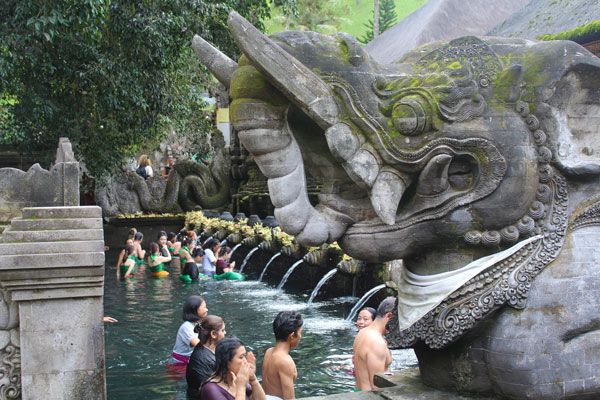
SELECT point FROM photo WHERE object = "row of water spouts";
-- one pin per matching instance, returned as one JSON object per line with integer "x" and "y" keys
{"x": 351, "y": 316}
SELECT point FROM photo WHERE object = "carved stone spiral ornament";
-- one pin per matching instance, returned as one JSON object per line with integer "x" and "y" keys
{"x": 526, "y": 225}
{"x": 505, "y": 283}
{"x": 10, "y": 372}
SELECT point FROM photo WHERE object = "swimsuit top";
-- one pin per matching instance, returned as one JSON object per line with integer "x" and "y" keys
{"x": 184, "y": 248}
{"x": 157, "y": 267}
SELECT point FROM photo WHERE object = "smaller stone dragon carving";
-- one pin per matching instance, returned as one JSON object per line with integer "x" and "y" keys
{"x": 190, "y": 185}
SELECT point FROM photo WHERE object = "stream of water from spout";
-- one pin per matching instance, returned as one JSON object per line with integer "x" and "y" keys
{"x": 234, "y": 249}
{"x": 267, "y": 266}
{"x": 288, "y": 273}
{"x": 324, "y": 279}
{"x": 362, "y": 302}
{"x": 247, "y": 258}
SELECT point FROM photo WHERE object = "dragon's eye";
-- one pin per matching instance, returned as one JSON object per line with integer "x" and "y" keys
{"x": 410, "y": 117}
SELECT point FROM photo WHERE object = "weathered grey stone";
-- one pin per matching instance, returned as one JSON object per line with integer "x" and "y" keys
{"x": 51, "y": 332}
{"x": 37, "y": 187}
{"x": 10, "y": 236}
{"x": 496, "y": 140}
{"x": 52, "y": 247}
{"x": 62, "y": 212}
{"x": 54, "y": 224}
{"x": 539, "y": 17}
{"x": 58, "y": 260}
{"x": 190, "y": 185}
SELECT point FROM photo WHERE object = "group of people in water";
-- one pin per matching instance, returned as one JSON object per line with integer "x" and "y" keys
{"x": 181, "y": 251}
{"x": 219, "y": 367}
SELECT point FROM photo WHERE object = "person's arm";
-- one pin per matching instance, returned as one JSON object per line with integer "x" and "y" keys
{"x": 258, "y": 392}
{"x": 376, "y": 359}
{"x": 130, "y": 264}
{"x": 161, "y": 259}
{"x": 287, "y": 376}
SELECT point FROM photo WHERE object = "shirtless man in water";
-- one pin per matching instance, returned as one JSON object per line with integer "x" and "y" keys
{"x": 371, "y": 354}
{"x": 279, "y": 370}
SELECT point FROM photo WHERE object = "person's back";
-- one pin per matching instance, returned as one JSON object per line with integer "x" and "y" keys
{"x": 279, "y": 370}
{"x": 370, "y": 352}
{"x": 279, "y": 373}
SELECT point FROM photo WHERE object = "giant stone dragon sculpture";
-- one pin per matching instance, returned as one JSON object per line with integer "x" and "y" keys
{"x": 475, "y": 161}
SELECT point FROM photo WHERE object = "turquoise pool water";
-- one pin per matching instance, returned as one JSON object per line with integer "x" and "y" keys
{"x": 138, "y": 348}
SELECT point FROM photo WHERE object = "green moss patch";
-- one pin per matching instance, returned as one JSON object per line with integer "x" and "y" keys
{"x": 581, "y": 34}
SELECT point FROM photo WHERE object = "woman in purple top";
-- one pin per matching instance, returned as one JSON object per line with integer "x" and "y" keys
{"x": 235, "y": 374}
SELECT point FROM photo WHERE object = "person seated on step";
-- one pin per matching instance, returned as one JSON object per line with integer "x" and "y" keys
{"x": 211, "y": 330}
{"x": 127, "y": 268}
{"x": 365, "y": 317}
{"x": 370, "y": 352}
{"x": 279, "y": 370}
{"x": 156, "y": 260}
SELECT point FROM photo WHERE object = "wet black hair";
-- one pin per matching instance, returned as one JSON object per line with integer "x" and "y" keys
{"x": 171, "y": 235}
{"x": 154, "y": 248}
{"x": 206, "y": 326}
{"x": 138, "y": 236}
{"x": 182, "y": 234}
{"x": 186, "y": 241}
{"x": 386, "y": 306}
{"x": 371, "y": 311}
{"x": 224, "y": 353}
{"x": 161, "y": 234}
{"x": 129, "y": 249}
{"x": 210, "y": 243}
{"x": 197, "y": 252}
{"x": 190, "y": 308}
{"x": 286, "y": 322}
{"x": 225, "y": 250}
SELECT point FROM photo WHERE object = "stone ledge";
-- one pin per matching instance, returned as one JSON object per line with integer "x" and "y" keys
{"x": 62, "y": 212}
{"x": 19, "y": 224}
{"x": 94, "y": 246}
{"x": 36, "y": 274}
{"x": 10, "y": 236}
{"x": 58, "y": 293}
{"x": 59, "y": 260}
{"x": 405, "y": 385}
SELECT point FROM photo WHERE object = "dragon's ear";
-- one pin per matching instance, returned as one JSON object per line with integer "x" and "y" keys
{"x": 571, "y": 114}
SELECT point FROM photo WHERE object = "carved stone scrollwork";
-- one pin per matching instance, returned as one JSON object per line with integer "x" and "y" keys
{"x": 590, "y": 215}
{"x": 10, "y": 372}
{"x": 10, "y": 354}
{"x": 505, "y": 283}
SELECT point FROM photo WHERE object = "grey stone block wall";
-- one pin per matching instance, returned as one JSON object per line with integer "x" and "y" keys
{"x": 51, "y": 287}
{"x": 37, "y": 187}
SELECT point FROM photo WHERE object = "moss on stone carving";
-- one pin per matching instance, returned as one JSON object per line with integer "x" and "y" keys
{"x": 581, "y": 33}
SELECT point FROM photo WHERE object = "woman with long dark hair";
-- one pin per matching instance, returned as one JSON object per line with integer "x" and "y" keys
{"x": 211, "y": 330}
{"x": 194, "y": 309}
{"x": 235, "y": 374}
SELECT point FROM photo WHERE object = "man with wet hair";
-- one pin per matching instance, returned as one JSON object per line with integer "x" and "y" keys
{"x": 370, "y": 353}
{"x": 279, "y": 370}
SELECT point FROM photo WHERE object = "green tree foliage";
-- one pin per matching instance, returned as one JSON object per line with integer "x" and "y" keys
{"x": 387, "y": 19}
{"x": 112, "y": 75}
{"x": 323, "y": 16}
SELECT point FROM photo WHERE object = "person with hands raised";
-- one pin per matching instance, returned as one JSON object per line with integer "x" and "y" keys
{"x": 235, "y": 374}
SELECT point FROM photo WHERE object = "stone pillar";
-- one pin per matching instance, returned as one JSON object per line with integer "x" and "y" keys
{"x": 51, "y": 280}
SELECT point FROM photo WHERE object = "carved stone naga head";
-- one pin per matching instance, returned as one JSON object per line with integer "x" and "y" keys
{"x": 454, "y": 144}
